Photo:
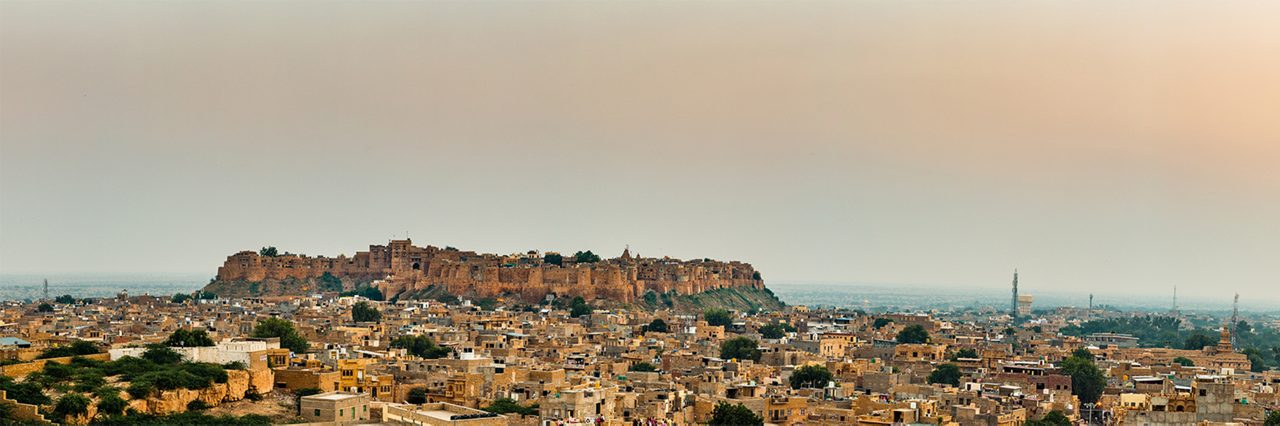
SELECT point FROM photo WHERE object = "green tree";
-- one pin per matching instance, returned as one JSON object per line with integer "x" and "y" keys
{"x": 72, "y": 404}
{"x": 78, "y": 347}
{"x": 1184, "y": 361}
{"x": 946, "y": 373}
{"x": 734, "y": 415}
{"x": 586, "y": 257}
{"x": 740, "y": 348}
{"x": 180, "y": 298}
{"x": 772, "y": 331}
{"x": 363, "y": 312}
{"x": 643, "y": 367}
{"x": 1052, "y": 418}
{"x": 27, "y": 392}
{"x": 879, "y": 323}
{"x": 579, "y": 307}
{"x": 111, "y": 405}
{"x": 509, "y": 406}
{"x": 65, "y": 299}
{"x": 417, "y": 395}
{"x": 553, "y": 259}
{"x": 1087, "y": 381}
{"x": 1198, "y": 341}
{"x": 656, "y": 326}
{"x": 914, "y": 333}
{"x": 328, "y": 282}
{"x": 965, "y": 353}
{"x": 44, "y": 307}
{"x": 1273, "y": 419}
{"x": 715, "y": 316}
{"x": 161, "y": 354}
{"x": 810, "y": 376}
{"x": 1257, "y": 363}
{"x": 368, "y": 292}
{"x": 283, "y": 329}
{"x": 420, "y": 346}
{"x": 182, "y": 338}
{"x": 269, "y": 251}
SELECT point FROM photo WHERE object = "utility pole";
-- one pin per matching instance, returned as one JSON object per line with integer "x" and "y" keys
{"x": 46, "y": 289}
{"x": 1235, "y": 319}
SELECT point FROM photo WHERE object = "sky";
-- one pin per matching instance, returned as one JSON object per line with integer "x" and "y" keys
{"x": 1093, "y": 145}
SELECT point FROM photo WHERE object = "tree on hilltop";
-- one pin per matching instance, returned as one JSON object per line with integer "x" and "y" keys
{"x": 269, "y": 251}
{"x": 553, "y": 259}
{"x": 586, "y": 257}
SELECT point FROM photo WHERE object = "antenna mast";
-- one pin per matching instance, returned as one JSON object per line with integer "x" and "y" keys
{"x": 1235, "y": 318}
{"x": 46, "y": 289}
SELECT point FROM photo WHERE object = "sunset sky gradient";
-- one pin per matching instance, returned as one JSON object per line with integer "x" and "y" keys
{"x": 1094, "y": 145}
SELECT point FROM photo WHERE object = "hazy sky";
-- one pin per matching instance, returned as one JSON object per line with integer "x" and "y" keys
{"x": 1094, "y": 145}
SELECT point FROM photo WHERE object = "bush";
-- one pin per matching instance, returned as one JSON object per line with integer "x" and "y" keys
{"x": 965, "y": 353}
{"x": 197, "y": 405}
{"x": 880, "y": 323}
{"x": 139, "y": 389}
{"x": 1184, "y": 361}
{"x": 65, "y": 299}
{"x": 112, "y": 405}
{"x": 180, "y": 298}
{"x": 26, "y": 392}
{"x": 586, "y": 257}
{"x": 368, "y": 292}
{"x": 44, "y": 307}
{"x": 71, "y": 404}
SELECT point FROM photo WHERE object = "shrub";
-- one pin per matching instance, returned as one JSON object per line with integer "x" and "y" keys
{"x": 643, "y": 367}
{"x": 161, "y": 354}
{"x": 72, "y": 404}
{"x": 79, "y": 347}
{"x": 189, "y": 338}
{"x": 417, "y": 395}
{"x": 112, "y": 405}
{"x": 420, "y": 346}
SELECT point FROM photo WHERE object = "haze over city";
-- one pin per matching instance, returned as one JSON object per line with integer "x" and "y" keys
{"x": 1096, "y": 146}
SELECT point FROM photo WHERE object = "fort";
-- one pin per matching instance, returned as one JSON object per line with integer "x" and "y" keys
{"x": 400, "y": 268}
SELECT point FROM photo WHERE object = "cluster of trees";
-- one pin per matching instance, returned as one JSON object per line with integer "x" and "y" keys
{"x": 283, "y": 329}
{"x": 1261, "y": 345}
{"x": 740, "y": 348}
{"x": 421, "y": 346}
{"x": 965, "y": 353}
{"x": 553, "y": 259}
{"x": 363, "y": 312}
{"x": 269, "y": 251}
{"x": 65, "y": 299}
{"x": 159, "y": 368}
{"x": 586, "y": 257}
{"x": 189, "y": 418}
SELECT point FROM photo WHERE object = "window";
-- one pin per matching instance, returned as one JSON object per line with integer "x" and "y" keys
{"x": 340, "y": 412}
{"x": 317, "y": 412}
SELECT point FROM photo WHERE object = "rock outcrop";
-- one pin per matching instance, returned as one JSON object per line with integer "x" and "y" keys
{"x": 402, "y": 269}
{"x": 239, "y": 382}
